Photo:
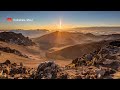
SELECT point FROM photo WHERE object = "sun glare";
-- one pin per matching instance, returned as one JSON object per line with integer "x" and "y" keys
{"x": 60, "y": 27}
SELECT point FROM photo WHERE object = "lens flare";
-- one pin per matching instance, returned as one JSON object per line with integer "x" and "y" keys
{"x": 60, "y": 24}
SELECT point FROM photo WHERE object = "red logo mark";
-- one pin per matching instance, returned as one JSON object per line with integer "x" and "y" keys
{"x": 9, "y": 19}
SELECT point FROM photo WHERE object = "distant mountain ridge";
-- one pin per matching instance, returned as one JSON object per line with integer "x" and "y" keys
{"x": 29, "y": 33}
{"x": 59, "y": 39}
{"x": 97, "y": 30}
{"x": 15, "y": 38}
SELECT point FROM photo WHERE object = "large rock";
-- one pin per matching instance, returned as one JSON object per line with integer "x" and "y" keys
{"x": 115, "y": 43}
{"x": 47, "y": 70}
{"x": 7, "y": 62}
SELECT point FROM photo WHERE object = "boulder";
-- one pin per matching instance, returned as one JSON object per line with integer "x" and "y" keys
{"x": 47, "y": 70}
{"x": 7, "y": 62}
{"x": 115, "y": 43}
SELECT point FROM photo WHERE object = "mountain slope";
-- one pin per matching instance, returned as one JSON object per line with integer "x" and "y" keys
{"x": 11, "y": 37}
{"x": 78, "y": 50}
{"x": 59, "y": 39}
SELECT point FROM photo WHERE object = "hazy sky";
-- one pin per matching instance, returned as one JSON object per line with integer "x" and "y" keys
{"x": 51, "y": 19}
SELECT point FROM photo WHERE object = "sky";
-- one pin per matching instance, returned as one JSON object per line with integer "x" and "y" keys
{"x": 58, "y": 19}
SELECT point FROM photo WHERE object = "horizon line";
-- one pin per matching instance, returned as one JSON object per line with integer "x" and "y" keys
{"x": 68, "y": 28}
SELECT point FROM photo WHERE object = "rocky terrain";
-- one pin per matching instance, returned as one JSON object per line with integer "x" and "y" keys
{"x": 15, "y": 38}
{"x": 9, "y": 50}
{"x": 75, "y": 51}
{"x": 10, "y": 70}
{"x": 93, "y": 60}
{"x": 70, "y": 45}
{"x": 103, "y": 63}
{"x": 100, "y": 64}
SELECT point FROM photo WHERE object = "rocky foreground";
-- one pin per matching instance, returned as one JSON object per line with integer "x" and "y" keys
{"x": 50, "y": 70}
{"x": 101, "y": 64}
{"x": 10, "y": 70}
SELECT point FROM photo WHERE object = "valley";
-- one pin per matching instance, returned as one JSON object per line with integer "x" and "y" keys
{"x": 59, "y": 47}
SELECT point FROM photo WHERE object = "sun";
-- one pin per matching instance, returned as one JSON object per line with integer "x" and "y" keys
{"x": 60, "y": 27}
